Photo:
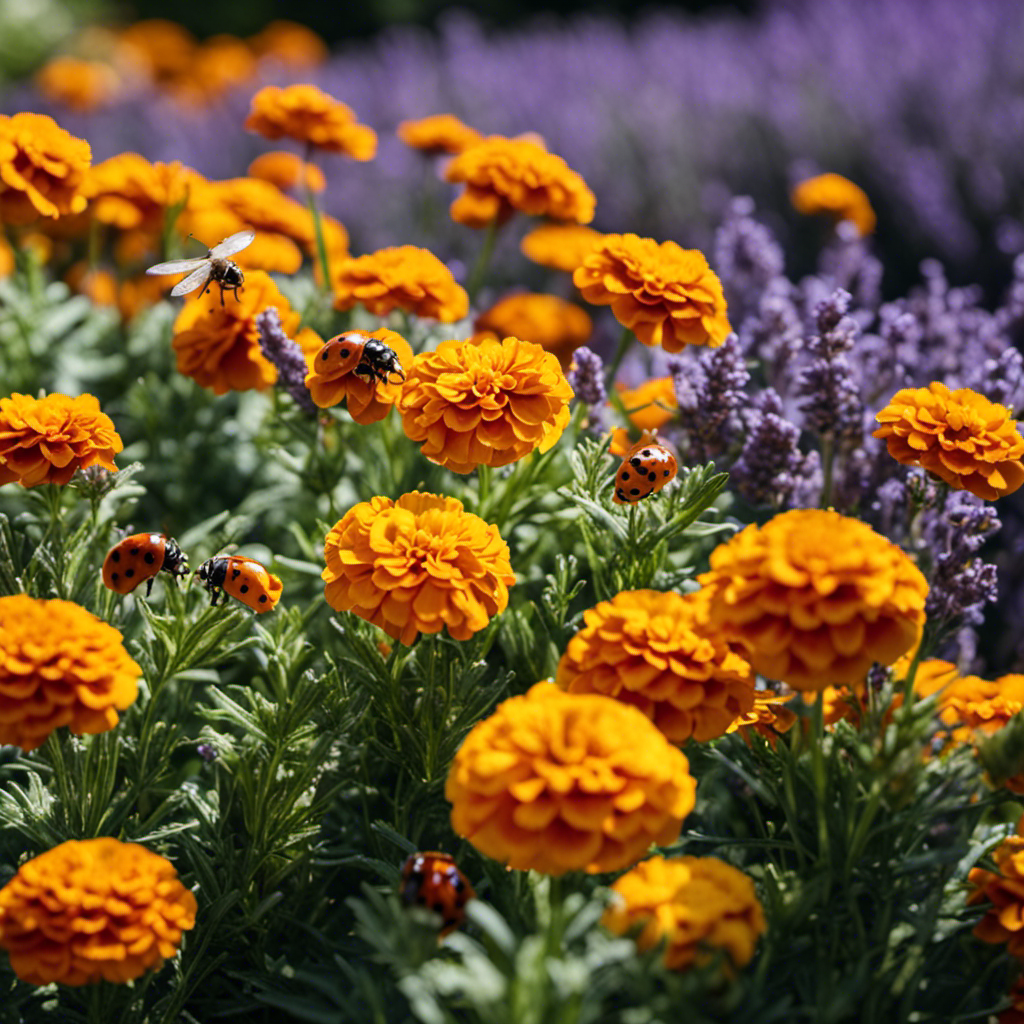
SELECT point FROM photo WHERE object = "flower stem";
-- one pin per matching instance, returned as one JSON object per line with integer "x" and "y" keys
{"x": 318, "y": 227}
{"x": 477, "y": 274}
{"x": 483, "y": 474}
{"x": 620, "y": 353}
{"x": 819, "y": 775}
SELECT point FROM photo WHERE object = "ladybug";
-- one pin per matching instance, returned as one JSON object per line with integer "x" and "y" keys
{"x": 242, "y": 578}
{"x": 355, "y": 352}
{"x": 138, "y": 558}
{"x": 433, "y": 880}
{"x": 647, "y": 467}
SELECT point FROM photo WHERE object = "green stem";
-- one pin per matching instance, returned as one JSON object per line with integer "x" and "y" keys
{"x": 483, "y": 474}
{"x": 476, "y": 275}
{"x": 819, "y": 775}
{"x": 620, "y": 353}
{"x": 318, "y": 227}
{"x": 828, "y": 458}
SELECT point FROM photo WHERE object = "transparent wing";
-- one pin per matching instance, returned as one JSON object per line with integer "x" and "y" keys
{"x": 194, "y": 280}
{"x": 232, "y": 244}
{"x": 177, "y": 266}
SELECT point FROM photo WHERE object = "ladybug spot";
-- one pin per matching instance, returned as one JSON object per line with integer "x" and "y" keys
{"x": 263, "y": 598}
{"x": 635, "y": 490}
{"x": 665, "y": 473}
{"x": 150, "y": 558}
{"x": 625, "y": 476}
{"x": 646, "y": 453}
{"x": 129, "y": 573}
{"x": 652, "y": 477}
{"x": 635, "y": 463}
{"x": 134, "y": 551}
{"x": 236, "y": 573}
{"x": 115, "y": 556}
{"x": 245, "y": 588}
{"x": 114, "y": 575}
{"x": 344, "y": 353}
{"x": 326, "y": 355}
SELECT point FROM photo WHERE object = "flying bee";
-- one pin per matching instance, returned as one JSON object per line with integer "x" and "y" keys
{"x": 214, "y": 266}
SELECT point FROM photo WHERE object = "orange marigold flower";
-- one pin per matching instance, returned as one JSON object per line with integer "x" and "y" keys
{"x": 400, "y": 277}
{"x": 815, "y": 598}
{"x": 164, "y": 48}
{"x": 59, "y": 665}
{"x": 836, "y": 196}
{"x": 651, "y": 405}
{"x": 219, "y": 346}
{"x": 417, "y": 565}
{"x": 440, "y": 133}
{"x": 305, "y": 113}
{"x": 657, "y": 652}
{"x": 367, "y": 400}
{"x": 93, "y": 910}
{"x": 129, "y": 192}
{"x": 960, "y": 436}
{"x": 1004, "y": 889}
{"x": 770, "y": 716}
{"x": 220, "y": 63}
{"x": 99, "y": 286}
{"x": 972, "y": 708}
{"x": 45, "y": 440}
{"x": 134, "y": 294}
{"x": 557, "y": 782}
{"x": 290, "y": 44}
{"x": 693, "y": 905}
{"x": 558, "y": 326}
{"x": 559, "y": 246}
{"x": 287, "y": 171}
{"x": 6, "y": 258}
{"x": 78, "y": 84}
{"x": 664, "y": 294}
{"x": 42, "y": 168}
{"x": 504, "y": 175}
{"x": 485, "y": 404}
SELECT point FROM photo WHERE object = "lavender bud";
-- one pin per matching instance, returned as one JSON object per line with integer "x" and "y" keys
{"x": 286, "y": 355}
{"x": 586, "y": 377}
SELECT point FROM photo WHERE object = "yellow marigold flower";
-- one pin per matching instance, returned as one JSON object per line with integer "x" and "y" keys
{"x": 504, "y": 175}
{"x": 42, "y": 168}
{"x": 164, "y": 48}
{"x": 77, "y": 84}
{"x": 664, "y": 294}
{"x": 289, "y": 43}
{"x": 400, "y": 277}
{"x": 693, "y": 905}
{"x": 960, "y": 436}
{"x": 93, "y": 910}
{"x": 770, "y": 716}
{"x": 305, "y": 113}
{"x": 129, "y": 192}
{"x": 440, "y": 133}
{"x": 287, "y": 171}
{"x": 485, "y": 404}
{"x": 972, "y": 708}
{"x": 657, "y": 652}
{"x": 45, "y": 440}
{"x": 1004, "y": 889}
{"x": 651, "y": 405}
{"x": 559, "y": 246}
{"x": 219, "y": 346}
{"x": 220, "y": 63}
{"x": 6, "y": 258}
{"x": 557, "y": 782}
{"x": 367, "y": 401}
{"x": 59, "y": 665}
{"x": 417, "y": 565}
{"x": 836, "y": 196}
{"x": 815, "y": 598}
{"x": 559, "y": 327}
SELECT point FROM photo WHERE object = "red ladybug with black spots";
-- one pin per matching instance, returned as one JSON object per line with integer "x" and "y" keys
{"x": 138, "y": 558}
{"x": 433, "y": 880}
{"x": 243, "y": 578}
{"x": 646, "y": 469}
{"x": 355, "y": 352}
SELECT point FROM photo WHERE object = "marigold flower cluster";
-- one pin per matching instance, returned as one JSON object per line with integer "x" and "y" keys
{"x": 770, "y": 716}
{"x": 815, "y": 598}
{"x": 59, "y": 665}
{"x": 46, "y": 440}
{"x": 559, "y": 246}
{"x": 695, "y": 905}
{"x": 838, "y": 198}
{"x": 485, "y": 404}
{"x": 960, "y": 436}
{"x": 558, "y": 326}
{"x": 656, "y": 652}
{"x": 130, "y": 193}
{"x": 505, "y": 175}
{"x": 417, "y": 565}
{"x": 93, "y": 910}
{"x": 664, "y": 294}
{"x": 558, "y": 782}
{"x": 1004, "y": 889}
{"x": 970, "y": 708}
{"x": 439, "y": 133}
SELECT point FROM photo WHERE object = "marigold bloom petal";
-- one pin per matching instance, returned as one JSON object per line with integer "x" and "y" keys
{"x": 836, "y": 196}
{"x": 1004, "y": 890}
{"x": 287, "y": 171}
{"x": 78, "y": 84}
{"x": 439, "y": 133}
{"x": 559, "y": 246}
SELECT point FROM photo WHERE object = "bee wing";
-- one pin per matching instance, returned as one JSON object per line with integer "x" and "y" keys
{"x": 194, "y": 280}
{"x": 232, "y": 244}
{"x": 177, "y": 266}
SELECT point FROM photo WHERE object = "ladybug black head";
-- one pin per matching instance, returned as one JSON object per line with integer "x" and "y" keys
{"x": 380, "y": 361}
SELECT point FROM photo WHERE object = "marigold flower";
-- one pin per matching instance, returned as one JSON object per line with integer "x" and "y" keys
{"x": 93, "y": 910}
{"x": 664, "y": 294}
{"x": 557, "y": 782}
{"x": 290, "y": 43}
{"x": 417, "y": 565}
{"x": 836, "y": 196}
{"x": 218, "y": 64}
{"x": 219, "y": 346}
{"x": 129, "y": 192}
{"x": 770, "y": 716}
{"x": 960, "y": 436}
{"x": 164, "y": 48}
{"x": 400, "y": 277}
{"x": 81, "y": 85}
{"x": 367, "y": 401}
{"x": 1004, "y": 889}
{"x": 6, "y": 258}
{"x": 693, "y": 904}
{"x": 559, "y": 246}
{"x": 287, "y": 171}
{"x": 815, "y": 598}
{"x": 134, "y": 294}
{"x": 59, "y": 665}
{"x": 42, "y": 168}
{"x": 972, "y": 708}
{"x": 651, "y": 405}
{"x": 504, "y": 175}
{"x": 45, "y": 440}
{"x": 558, "y": 326}
{"x": 440, "y": 133}
{"x": 656, "y": 652}
{"x": 98, "y": 285}
{"x": 485, "y": 404}
{"x": 305, "y": 113}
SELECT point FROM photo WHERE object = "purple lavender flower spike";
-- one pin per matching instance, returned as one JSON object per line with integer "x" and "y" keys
{"x": 586, "y": 377}
{"x": 746, "y": 257}
{"x": 286, "y": 355}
